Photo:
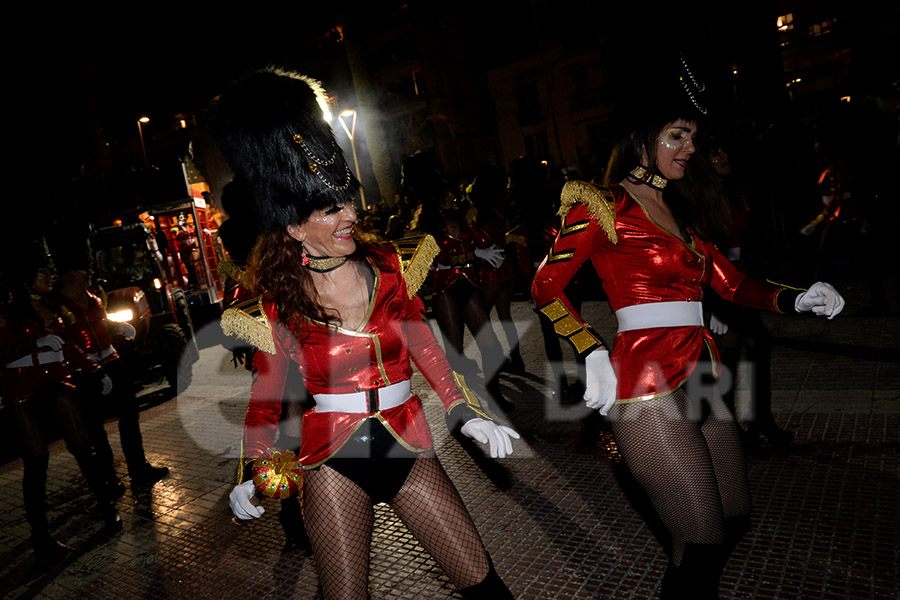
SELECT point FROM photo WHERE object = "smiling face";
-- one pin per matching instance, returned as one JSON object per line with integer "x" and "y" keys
{"x": 327, "y": 232}
{"x": 674, "y": 147}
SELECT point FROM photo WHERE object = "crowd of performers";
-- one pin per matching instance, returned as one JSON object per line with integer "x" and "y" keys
{"x": 329, "y": 319}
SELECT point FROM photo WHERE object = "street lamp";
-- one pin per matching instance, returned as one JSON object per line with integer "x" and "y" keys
{"x": 350, "y": 132}
{"x": 141, "y": 133}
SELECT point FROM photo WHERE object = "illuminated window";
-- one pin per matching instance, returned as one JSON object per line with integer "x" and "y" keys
{"x": 821, "y": 28}
{"x": 785, "y": 22}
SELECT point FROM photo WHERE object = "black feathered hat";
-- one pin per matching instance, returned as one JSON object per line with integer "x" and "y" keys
{"x": 272, "y": 133}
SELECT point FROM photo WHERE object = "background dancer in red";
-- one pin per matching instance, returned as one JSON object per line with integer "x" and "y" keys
{"x": 39, "y": 393}
{"x": 646, "y": 235}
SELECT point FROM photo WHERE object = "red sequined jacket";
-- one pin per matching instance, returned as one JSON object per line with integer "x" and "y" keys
{"x": 639, "y": 262}
{"x": 88, "y": 328}
{"x": 336, "y": 360}
{"x": 18, "y": 337}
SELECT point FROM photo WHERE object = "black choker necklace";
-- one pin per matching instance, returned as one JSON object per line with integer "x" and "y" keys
{"x": 643, "y": 175}
{"x": 323, "y": 264}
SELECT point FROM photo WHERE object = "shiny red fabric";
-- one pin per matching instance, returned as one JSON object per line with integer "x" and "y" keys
{"x": 17, "y": 339}
{"x": 646, "y": 265}
{"x": 90, "y": 329}
{"x": 337, "y": 360}
{"x": 458, "y": 253}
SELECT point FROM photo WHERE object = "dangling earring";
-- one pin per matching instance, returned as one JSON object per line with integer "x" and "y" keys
{"x": 304, "y": 260}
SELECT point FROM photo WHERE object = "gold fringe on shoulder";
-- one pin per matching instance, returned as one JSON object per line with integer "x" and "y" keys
{"x": 600, "y": 203}
{"x": 416, "y": 253}
{"x": 227, "y": 268}
{"x": 247, "y": 321}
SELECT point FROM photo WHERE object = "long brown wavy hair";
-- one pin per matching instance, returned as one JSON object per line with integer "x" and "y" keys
{"x": 275, "y": 270}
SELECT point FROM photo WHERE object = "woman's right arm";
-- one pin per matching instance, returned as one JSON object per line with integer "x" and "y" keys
{"x": 261, "y": 421}
{"x": 579, "y": 238}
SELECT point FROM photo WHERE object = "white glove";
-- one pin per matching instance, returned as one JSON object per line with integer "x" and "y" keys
{"x": 54, "y": 342}
{"x": 493, "y": 255}
{"x": 808, "y": 230}
{"x": 488, "y": 432}
{"x": 107, "y": 384}
{"x": 127, "y": 331}
{"x": 822, "y": 299}
{"x": 600, "y": 388}
{"x": 239, "y": 498}
{"x": 717, "y": 326}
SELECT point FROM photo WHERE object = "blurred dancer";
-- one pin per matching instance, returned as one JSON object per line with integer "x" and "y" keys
{"x": 38, "y": 392}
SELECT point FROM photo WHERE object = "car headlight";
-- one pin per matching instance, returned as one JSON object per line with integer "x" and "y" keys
{"x": 120, "y": 316}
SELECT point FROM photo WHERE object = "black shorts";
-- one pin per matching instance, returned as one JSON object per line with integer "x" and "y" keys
{"x": 375, "y": 461}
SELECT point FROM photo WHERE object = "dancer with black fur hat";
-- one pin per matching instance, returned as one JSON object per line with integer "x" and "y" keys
{"x": 347, "y": 313}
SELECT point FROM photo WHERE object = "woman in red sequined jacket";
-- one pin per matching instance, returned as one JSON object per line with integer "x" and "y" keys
{"x": 646, "y": 235}
{"x": 345, "y": 314}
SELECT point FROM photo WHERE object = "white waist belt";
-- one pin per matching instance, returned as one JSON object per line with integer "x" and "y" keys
{"x": 660, "y": 314}
{"x": 440, "y": 267}
{"x": 44, "y": 358}
{"x": 98, "y": 356}
{"x": 364, "y": 402}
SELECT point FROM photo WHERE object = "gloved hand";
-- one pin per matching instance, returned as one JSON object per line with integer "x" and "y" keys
{"x": 54, "y": 342}
{"x": 716, "y": 326}
{"x": 600, "y": 388}
{"x": 488, "y": 432}
{"x": 239, "y": 498}
{"x": 493, "y": 255}
{"x": 127, "y": 331}
{"x": 807, "y": 230}
{"x": 822, "y": 299}
{"x": 106, "y": 385}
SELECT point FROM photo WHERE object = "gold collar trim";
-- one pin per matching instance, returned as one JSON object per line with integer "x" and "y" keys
{"x": 643, "y": 175}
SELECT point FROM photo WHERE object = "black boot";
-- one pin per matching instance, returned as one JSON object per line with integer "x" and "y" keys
{"x": 34, "y": 490}
{"x": 490, "y": 588}
{"x": 291, "y": 520}
{"x": 697, "y": 577}
{"x": 93, "y": 473}
{"x": 146, "y": 474}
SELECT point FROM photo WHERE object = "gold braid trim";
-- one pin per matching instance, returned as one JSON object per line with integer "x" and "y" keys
{"x": 471, "y": 400}
{"x": 416, "y": 253}
{"x": 599, "y": 201}
{"x": 247, "y": 321}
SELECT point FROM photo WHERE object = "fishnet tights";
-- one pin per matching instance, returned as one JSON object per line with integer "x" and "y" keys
{"x": 339, "y": 519}
{"x": 692, "y": 469}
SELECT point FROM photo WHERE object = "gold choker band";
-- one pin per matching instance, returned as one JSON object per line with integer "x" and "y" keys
{"x": 643, "y": 175}
{"x": 325, "y": 263}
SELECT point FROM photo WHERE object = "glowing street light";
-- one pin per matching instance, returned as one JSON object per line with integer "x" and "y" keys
{"x": 141, "y": 133}
{"x": 346, "y": 114}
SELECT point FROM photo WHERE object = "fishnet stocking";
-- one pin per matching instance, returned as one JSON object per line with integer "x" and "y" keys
{"x": 339, "y": 519}
{"x": 691, "y": 468}
{"x": 432, "y": 510}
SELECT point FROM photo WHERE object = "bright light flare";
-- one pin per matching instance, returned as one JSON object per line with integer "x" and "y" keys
{"x": 120, "y": 316}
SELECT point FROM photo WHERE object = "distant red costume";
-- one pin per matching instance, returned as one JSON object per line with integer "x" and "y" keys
{"x": 640, "y": 263}
{"x": 89, "y": 329}
{"x": 17, "y": 343}
{"x": 457, "y": 259}
{"x": 336, "y": 361}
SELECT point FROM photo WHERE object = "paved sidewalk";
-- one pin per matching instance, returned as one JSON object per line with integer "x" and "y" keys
{"x": 561, "y": 517}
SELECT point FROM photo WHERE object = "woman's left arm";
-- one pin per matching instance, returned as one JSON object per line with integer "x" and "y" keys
{"x": 738, "y": 287}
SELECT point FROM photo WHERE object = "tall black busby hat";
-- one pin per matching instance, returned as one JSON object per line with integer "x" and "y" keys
{"x": 271, "y": 130}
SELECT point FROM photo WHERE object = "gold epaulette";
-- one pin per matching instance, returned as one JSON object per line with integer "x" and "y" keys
{"x": 515, "y": 236}
{"x": 471, "y": 399}
{"x": 569, "y": 328}
{"x": 227, "y": 268}
{"x": 247, "y": 321}
{"x": 600, "y": 203}
{"x": 416, "y": 253}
